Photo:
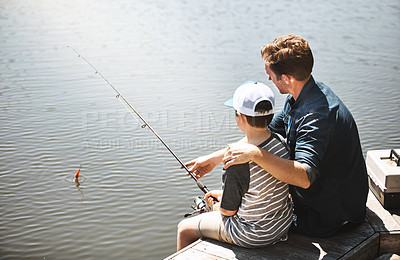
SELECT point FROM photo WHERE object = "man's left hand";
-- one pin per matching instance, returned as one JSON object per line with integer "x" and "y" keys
{"x": 238, "y": 153}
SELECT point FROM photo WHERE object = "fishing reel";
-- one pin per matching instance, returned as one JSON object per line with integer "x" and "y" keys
{"x": 200, "y": 206}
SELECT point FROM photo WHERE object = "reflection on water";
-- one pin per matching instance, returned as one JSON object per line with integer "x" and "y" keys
{"x": 177, "y": 62}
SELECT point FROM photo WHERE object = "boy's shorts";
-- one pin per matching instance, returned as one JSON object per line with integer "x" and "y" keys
{"x": 211, "y": 224}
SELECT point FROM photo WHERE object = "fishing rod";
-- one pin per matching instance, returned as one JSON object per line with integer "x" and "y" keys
{"x": 129, "y": 106}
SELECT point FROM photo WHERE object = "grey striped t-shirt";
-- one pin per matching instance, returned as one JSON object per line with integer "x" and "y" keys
{"x": 264, "y": 210}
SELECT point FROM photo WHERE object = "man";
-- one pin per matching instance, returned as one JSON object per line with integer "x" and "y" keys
{"x": 326, "y": 170}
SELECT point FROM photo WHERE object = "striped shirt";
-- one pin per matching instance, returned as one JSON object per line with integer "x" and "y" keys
{"x": 264, "y": 210}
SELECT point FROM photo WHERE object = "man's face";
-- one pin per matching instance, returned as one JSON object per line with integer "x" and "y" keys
{"x": 278, "y": 83}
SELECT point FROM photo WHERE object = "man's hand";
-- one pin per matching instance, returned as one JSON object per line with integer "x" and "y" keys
{"x": 238, "y": 153}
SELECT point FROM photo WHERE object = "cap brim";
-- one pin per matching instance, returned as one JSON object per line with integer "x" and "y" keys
{"x": 229, "y": 103}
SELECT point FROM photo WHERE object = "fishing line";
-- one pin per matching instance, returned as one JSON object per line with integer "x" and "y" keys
{"x": 131, "y": 110}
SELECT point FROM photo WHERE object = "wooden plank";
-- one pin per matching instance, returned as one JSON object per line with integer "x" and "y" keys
{"x": 270, "y": 252}
{"x": 297, "y": 247}
{"x": 380, "y": 219}
{"x": 380, "y": 233}
{"x": 385, "y": 224}
{"x": 389, "y": 242}
{"x": 316, "y": 248}
{"x": 351, "y": 235}
{"x": 189, "y": 253}
{"x": 216, "y": 248}
{"x": 335, "y": 246}
{"x": 195, "y": 254}
{"x": 368, "y": 249}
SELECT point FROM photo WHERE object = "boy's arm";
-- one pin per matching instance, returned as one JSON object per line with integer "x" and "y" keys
{"x": 206, "y": 164}
{"x": 217, "y": 205}
{"x": 227, "y": 213}
{"x": 236, "y": 183}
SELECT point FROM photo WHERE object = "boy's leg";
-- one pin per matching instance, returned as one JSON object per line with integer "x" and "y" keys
{"x": 208, "y": 224}
{"x": 187, "y": 232}
{"x": 212, "y": 226}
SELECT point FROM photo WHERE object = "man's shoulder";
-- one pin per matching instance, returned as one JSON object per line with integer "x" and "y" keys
{"x": 320, "y": 102}
{"x": 330, "y": 98}
{"x": 330, "y": 104}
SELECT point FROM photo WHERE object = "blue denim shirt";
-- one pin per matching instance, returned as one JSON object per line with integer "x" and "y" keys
{"x": 322, "y": 135}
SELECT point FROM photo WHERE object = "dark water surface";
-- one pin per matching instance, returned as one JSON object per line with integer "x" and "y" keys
{"x": 177, "y": 62}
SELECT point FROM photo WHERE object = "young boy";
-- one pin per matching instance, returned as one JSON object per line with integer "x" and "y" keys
{"x": 254, "y": 208}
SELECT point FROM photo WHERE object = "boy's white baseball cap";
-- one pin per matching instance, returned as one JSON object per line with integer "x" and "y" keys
{"x": 248, "y": 95}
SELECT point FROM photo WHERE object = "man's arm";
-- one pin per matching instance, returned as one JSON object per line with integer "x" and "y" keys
{"x": 277, "y": 125}
{"x": 288, "y": 171}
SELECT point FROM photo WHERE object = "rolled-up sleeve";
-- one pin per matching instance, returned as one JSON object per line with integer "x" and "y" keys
{"x": 312, "y": 139}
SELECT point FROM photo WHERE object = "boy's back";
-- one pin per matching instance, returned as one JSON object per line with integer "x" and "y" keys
{"x": 254, "y": 209}
{"x": 265, "y": 211}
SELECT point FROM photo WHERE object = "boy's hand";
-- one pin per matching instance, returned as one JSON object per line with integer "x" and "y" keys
{"x": 216, "y": 206}
{"x": 201, "y": 166}
{"x": 213, "y": 194}
{"x": 238, "y": 153}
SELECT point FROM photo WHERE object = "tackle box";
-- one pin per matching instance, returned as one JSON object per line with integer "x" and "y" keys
{"x": 383, "y": 168}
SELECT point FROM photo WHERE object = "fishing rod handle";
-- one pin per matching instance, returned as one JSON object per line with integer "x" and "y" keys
{"x": 205, "y": 189}
{"x": 202, "y": 186}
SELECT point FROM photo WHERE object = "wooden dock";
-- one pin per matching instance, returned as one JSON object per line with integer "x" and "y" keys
{"x": 378, "y": 235}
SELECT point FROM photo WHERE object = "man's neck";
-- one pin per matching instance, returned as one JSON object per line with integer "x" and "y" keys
{"x": 296, "y": 87}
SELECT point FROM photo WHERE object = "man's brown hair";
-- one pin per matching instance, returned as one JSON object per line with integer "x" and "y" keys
{"x": 289, "y": 55}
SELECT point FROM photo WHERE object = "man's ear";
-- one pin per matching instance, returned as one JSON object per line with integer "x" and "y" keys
{"x": 286, "y": 79}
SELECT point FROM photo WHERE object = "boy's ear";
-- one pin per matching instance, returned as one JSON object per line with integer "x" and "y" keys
{"x": 242, "y": 117}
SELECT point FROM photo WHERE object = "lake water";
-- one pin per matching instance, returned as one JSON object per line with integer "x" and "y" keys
{"x": 177, "y": 62}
